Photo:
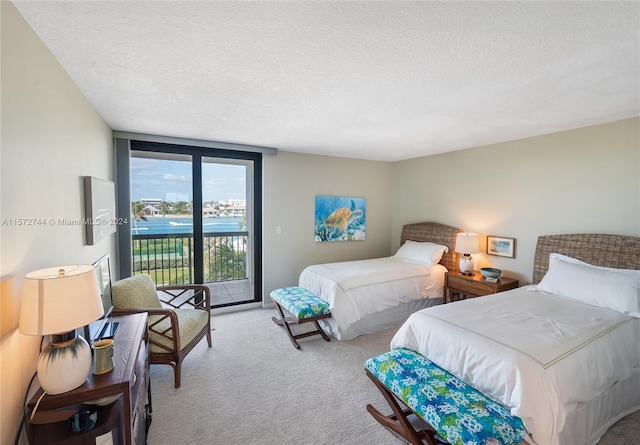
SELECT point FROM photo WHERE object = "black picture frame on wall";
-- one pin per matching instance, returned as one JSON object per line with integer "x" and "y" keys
{"x": 500, "y": 246}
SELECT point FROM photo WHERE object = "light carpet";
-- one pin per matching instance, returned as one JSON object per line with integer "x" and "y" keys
{"x": 253, "y": 387}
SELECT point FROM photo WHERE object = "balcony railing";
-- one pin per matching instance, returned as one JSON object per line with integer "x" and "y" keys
{"x": 168, "y": 258}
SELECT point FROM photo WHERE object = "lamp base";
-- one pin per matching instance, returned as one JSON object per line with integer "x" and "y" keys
{"x": 64, "y": 364}
{"x": 466, "y": 265}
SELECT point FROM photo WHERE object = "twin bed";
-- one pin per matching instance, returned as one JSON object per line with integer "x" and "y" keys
{"x": 370, "y": 295}
{"x": 563, "y": 354}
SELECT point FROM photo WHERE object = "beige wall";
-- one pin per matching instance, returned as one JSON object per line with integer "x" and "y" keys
{"x": 579, "y": 181}
{"x": 291, "y": 183}
{"x": 51, "y": 137}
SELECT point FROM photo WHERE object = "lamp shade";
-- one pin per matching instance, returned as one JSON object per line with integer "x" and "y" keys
{"x": 59, "y": 299}
{"x": 467, "y": 243}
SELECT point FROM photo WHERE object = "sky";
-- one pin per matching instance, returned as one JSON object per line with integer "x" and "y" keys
{"x": 170, "y": 180}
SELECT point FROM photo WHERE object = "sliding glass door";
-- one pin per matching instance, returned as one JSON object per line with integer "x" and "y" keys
{"x": 195, "y": 218}
{"x": 227, "y": 222}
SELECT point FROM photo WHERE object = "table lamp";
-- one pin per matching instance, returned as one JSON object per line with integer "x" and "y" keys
{"x": 466, "y": 244}
{"x": 56, "y": 301}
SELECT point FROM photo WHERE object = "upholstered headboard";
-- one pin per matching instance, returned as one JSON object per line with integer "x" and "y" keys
{"x": 434, "y": 233}
{"x": 621, "y": 252}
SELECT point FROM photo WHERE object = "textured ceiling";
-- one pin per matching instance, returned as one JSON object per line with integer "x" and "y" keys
{"x": 371, "y": 80}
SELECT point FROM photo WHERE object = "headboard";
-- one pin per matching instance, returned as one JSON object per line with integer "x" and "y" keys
{"x": 434, "y": 233}
{"x": 620, "y": 252}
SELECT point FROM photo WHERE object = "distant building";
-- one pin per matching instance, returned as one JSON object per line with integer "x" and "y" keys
{"x": 210, "y": 212}
{"x": 236, "y": 210}
{"x": 237, "y": 202}
{"x": 151, "y": 202}
{"x": 152, "y": 210}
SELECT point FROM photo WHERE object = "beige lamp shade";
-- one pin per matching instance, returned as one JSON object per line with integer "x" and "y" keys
{"x": 59, "y": 299}
{"x": 467, "y": 243}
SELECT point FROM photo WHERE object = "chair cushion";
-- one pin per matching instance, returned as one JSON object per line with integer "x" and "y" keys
{"x": 190, "y": 322}
{"x": 138, "y": 291}
{"x": 300, "y": 302}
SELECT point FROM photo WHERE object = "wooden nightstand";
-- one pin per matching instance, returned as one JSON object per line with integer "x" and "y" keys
{"x": 124, "y": 422}
{"x": 459, "y": 287}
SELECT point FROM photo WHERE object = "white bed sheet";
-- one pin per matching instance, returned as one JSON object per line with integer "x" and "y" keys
{"x": 357, "y": 289}
{"x": 571, "y": 354}
{"x": 377, "y": 321}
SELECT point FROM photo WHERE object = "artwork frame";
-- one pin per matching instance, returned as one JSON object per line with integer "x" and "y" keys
{"x": 340, "y": 218}
{"x": 501, "y": 246}
{"x": 100, "y": 209}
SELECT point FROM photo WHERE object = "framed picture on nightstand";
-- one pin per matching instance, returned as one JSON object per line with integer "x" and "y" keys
{"x": 501, "y": 246}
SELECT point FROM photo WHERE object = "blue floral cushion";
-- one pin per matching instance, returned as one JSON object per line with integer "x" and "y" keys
{"x": 300, "y": 302}
{"x": 459, "y": 413}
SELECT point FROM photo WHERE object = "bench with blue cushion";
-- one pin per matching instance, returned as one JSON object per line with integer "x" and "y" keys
{"x": 302, "y": 307}
{"x": 455, "y": 412}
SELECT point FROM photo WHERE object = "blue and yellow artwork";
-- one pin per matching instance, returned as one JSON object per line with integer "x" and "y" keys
{"x": 340, "y": 218}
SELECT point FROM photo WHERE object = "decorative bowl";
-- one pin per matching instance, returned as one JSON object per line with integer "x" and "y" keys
{"x": 490, "y": 272}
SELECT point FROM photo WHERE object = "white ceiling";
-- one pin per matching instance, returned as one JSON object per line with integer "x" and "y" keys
{"x": 371, "y": 80}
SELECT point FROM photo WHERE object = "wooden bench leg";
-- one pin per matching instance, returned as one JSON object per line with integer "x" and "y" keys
{"x": 398, "y": 421}
{"x": 320, "y": 331}
{"x": 284, "y": 321}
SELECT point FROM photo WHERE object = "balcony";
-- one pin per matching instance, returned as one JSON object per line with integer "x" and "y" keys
{"x": 169, "y": 259}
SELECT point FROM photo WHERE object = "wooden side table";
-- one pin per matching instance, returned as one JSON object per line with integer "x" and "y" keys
{"x": 459, "y": 287}
{"x": 125, "y": 421}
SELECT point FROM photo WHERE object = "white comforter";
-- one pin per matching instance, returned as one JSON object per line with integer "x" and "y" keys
{"x": 541, "y": 355}
{"x": 355, "y": 289}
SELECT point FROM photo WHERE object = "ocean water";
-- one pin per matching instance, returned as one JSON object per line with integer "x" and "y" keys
{"x": 160, "y": 225}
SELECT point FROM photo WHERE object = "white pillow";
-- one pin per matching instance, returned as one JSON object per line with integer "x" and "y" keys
{"x": 617, "y": 289}
{"x": 421, "y": 252}
{"x": 567, "y": 259}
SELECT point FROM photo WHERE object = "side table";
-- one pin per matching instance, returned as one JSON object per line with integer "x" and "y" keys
{"x": 459, "y": 287}
{"x": 125, "y": 420}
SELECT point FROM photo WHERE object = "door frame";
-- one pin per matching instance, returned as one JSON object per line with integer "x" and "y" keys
{"x": 123, "y": 149}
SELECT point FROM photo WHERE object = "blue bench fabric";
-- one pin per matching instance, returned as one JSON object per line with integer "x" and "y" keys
{"x": 300, "y": 302}
{"x": 457, "y": 412}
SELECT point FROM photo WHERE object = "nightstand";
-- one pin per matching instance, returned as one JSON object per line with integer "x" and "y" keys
{"x": 124, "y": 422}
{"x": 459, "y": 287}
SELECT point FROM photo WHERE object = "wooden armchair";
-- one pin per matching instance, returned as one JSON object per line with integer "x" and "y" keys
{"x": 179, "y": 316}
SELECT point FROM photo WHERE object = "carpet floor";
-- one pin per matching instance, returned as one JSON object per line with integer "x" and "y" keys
{"x": 253, "y": 387}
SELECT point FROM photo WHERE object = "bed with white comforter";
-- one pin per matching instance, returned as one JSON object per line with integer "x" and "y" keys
{"x": 572, "y": 352}
{"x": 366, "y": 296}
{"x": 356, "y": 289}
{"x": 564, "y": 355}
